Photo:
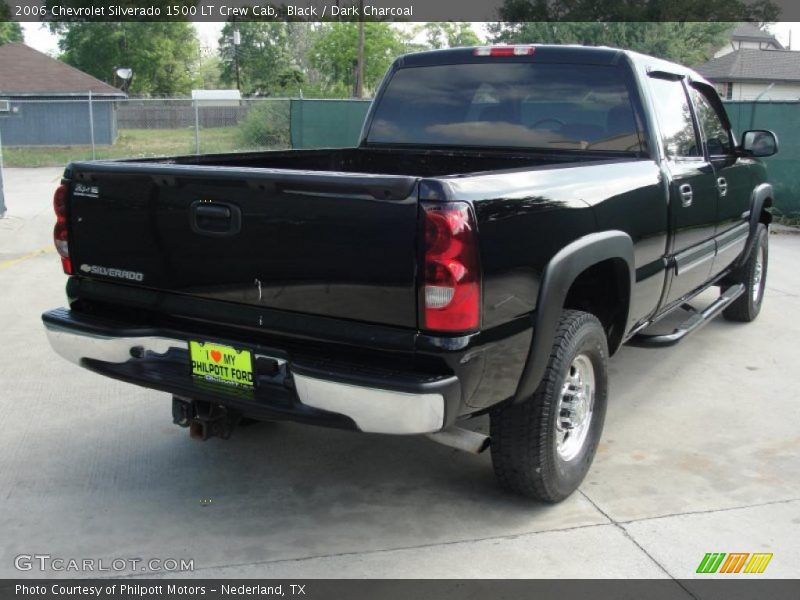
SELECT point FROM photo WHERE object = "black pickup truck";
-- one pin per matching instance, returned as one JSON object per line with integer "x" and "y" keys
{"x": 511, "y": 216}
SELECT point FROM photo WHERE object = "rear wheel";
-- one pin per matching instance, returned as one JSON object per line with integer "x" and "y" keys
{"x": 543, "y": 446}
{"x": 753, "y": 274}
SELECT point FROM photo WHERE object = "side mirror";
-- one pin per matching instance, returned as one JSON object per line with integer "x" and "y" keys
{"x": 759, "y": 143}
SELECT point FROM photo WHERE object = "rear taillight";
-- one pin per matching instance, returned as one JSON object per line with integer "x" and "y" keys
{"x": 451, "y": 277}
{"x": 60, "y": 234}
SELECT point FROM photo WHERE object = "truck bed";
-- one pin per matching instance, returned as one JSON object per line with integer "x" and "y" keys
{"x": 330, "y": 233}
{"x": 384, "y": 161}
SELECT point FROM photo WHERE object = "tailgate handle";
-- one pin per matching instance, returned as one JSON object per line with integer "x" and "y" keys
{"x": 212, "y": 211}
{"x": 215, "y": 218}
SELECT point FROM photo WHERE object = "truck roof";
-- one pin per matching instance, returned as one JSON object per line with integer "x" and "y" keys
{"x": 549, "y": 53}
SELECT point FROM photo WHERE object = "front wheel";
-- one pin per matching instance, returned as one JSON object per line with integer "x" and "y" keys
{"x": 543, "y": 446}
{"x": 753, "y": 274}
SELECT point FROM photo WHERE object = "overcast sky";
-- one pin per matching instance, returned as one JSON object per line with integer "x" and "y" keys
{"x": 39, "y": 37}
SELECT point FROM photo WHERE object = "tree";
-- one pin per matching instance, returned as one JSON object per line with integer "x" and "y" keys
{"x": 687, "y": 43}
{"x": 209, "y": 70}
{"x": 685, "y": 31}
{"x": 301, "y": 38}
{"x": 163, "y": 56}
{"x": 265, "y": 64}
{"x": 450, "y": 35}
{"x": 10, "y": 31}
{"x": 638, "y": 12}
{"x": 335, "y": 49}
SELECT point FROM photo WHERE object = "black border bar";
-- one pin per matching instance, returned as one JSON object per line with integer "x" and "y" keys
{"x": 400, "y": 10}
{"x": 734, "y": 587}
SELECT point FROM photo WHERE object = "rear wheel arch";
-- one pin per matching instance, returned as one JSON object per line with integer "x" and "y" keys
{"x": 591, "y": 256}
{"x": 604, "y": 290}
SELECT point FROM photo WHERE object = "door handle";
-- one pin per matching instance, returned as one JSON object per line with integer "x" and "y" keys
{"x": 722, "y": 185}
{"x": 686, "y": 194}
{"x": 212, "y": 211}
{"x": 215, "y": 218}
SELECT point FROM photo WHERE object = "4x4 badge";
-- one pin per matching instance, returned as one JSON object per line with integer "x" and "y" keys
{"x": 90, "y": 191}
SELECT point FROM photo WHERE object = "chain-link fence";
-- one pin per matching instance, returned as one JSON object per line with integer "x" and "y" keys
{"x": 54, "y": 131}
{"x": 45, "y": 132}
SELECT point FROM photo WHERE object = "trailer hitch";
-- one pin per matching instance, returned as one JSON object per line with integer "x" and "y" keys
{"x": 204, "y": 419}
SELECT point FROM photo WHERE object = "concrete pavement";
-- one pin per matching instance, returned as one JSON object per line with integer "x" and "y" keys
{"x": 699, "y": 454}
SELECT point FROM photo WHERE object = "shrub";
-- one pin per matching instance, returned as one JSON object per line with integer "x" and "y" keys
{"x": 266, "y": 125}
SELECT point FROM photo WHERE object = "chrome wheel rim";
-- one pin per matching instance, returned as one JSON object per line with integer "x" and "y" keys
{"x": 575, "y": 408}
{"x": 758, "y": 275}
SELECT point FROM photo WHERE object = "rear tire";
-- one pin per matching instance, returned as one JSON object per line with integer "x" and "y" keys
{"x": 543, "y": 446}
{"x": 753, "y": 274}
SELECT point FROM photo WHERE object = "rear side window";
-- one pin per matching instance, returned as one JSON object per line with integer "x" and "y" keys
{"x": 675, "y": 119}
{"x": 554, "y": 106}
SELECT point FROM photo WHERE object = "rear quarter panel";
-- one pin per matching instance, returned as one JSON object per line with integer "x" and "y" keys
{"x": 525, "y": 217}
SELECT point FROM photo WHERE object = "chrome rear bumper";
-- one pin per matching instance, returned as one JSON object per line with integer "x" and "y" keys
{"x": 139, "y": 358}
{"x": 374, "y": 410}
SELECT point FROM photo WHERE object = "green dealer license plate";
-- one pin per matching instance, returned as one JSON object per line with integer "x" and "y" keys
{"x": 221, "y": 364}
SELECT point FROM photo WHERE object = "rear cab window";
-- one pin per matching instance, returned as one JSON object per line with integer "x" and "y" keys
{"x": 530, "y": 105}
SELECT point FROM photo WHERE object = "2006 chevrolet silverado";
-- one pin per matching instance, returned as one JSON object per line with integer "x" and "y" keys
{"x": 511, "y": 216}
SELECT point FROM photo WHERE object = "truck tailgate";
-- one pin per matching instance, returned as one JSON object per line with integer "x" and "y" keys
{"x": 334, "y": 244}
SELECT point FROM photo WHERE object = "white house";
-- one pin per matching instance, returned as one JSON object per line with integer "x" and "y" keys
{"x": 749, "y": 36}
{"x": 754, "y": 66}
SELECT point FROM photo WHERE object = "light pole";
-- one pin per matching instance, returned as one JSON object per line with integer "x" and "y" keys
{"x": 237, "y": 39}
{"x": 359, "y": 87}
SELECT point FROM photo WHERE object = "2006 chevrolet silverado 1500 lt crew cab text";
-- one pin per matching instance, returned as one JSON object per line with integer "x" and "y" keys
{"x": 510, "y": 217}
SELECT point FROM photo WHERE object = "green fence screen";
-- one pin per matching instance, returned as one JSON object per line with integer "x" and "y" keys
{"x": 783, "y": 169}
{"x": 327, "y": 123}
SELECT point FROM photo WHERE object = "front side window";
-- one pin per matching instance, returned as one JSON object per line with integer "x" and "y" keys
{"x": 675, "y": 118}
{"x": 717, "y": 138}
{"x": 544, "y": 105}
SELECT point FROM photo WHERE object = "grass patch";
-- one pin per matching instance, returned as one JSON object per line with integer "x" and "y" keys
{"x": 132, "y": 143}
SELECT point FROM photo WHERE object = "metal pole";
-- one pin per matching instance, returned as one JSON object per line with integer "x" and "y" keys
{"x": 2, "y": 197}
{"x": 359, "y": 91}
{"x": 237, "y": 39}
{"x": 196, "y": 128}
{"x": 91, "y": 124}
{"x": 238, "y": 78}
